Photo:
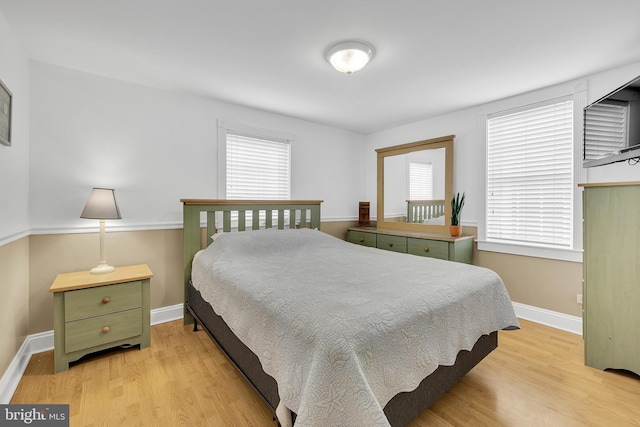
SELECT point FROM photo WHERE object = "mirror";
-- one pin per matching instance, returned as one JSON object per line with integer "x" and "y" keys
{"x": 415, "y": 185}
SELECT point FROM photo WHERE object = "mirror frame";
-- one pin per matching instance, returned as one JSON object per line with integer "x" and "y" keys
{"x": 445, "y": 142}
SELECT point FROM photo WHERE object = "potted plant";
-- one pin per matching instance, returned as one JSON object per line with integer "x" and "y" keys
{"x": 457, "y": 203}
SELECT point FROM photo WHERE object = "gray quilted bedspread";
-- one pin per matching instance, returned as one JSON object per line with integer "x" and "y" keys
{"x": 341, "y": 327}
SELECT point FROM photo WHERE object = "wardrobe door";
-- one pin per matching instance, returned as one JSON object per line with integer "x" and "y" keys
{"x": 612, "y": 277}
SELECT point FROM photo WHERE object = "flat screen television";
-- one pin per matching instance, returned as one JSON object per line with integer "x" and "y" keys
{"x": 612, "y": 127}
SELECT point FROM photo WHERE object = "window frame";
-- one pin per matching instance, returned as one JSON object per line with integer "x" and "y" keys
{"x": 573, "y": 253}
{"x": 225, "y": 128}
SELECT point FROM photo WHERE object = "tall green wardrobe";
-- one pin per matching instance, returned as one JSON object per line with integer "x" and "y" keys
{"x": 611, "y": 293}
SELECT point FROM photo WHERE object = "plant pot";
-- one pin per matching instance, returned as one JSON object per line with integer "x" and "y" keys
{"x": 455, "y": 230}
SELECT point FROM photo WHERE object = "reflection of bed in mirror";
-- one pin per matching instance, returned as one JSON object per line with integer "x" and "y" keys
{"x": 425, "y": 211}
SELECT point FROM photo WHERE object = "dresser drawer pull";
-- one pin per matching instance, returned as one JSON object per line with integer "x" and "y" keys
{"x": 106, "y": 300}
{"x": 361, "y": 239}
{"x": 426, "y": 248}
{"x": 106, "y": 329}
{"x": 390, "y": 244}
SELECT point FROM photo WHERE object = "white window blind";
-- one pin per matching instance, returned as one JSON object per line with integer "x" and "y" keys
{"x": 530, "y": 175}
{"x": 257, "y": 167}
{"x": 605, "y": 129}
{"x": 420, "y": 181}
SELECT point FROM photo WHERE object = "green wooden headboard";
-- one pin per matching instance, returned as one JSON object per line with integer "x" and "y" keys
{"x": 300, "y": 213}
{"x": 420, "y": 210}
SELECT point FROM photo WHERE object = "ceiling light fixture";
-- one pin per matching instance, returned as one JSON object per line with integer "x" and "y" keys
{"x": 349, "y": 56}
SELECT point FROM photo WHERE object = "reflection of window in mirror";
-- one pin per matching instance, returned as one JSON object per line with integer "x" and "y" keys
{"x": 420, "y": 181}
{"x": 435, "y": 158}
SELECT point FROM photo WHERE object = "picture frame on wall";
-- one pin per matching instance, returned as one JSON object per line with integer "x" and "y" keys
{"x": 5, "y": 114}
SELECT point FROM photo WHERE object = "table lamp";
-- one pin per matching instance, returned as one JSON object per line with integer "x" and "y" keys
{"x": 101, "y": 205}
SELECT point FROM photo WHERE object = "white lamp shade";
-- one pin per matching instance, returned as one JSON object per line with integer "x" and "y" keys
{"x": 350, "y": 56}
{"x": 101, "y": 205}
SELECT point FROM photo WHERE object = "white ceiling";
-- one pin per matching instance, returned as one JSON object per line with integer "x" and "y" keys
{"x": 432, "y": 56}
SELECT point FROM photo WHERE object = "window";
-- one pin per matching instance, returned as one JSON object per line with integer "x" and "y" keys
{"x": 254, "y": 164}
{"x": 530, "y": 175}
{"x": 257, "y": 167}
{"x": 420, "y": 181}
{"x": 605, "y": 129}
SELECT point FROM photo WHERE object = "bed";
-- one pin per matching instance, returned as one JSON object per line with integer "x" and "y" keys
{"x": 288, "y": 349}
{"x": 425, "y": 211}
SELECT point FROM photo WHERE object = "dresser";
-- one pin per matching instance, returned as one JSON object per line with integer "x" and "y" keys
{"x": 611, "y": 285}
{"x": 439, "y": 246}
{"x": 93, "y": 312}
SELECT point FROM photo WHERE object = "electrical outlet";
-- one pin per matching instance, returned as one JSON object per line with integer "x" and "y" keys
{"x": 579, "y": 299}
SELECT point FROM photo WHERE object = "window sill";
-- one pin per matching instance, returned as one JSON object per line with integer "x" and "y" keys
{"x": 570, "y": 255}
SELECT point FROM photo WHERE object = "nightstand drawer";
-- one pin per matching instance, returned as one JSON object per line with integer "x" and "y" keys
{"x": 362, "y": 238}
{"x": 430, "y": 248}
{"x": 392, "y": 243}
{"x": 99, "y": 330}
{"x": 101, "y": 300}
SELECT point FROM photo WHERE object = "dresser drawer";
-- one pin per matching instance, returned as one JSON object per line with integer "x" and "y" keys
{"x": 430, "y": 248}
{"x": 101, "y": 300}
{"x": 362, "y": 238}
{"x": 392, "y": 243}
{"x": 94, "y": 331}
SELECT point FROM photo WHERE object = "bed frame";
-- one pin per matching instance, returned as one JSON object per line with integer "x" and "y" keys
{"x": 420, "y": 210}
{"x": 401, "y": 410}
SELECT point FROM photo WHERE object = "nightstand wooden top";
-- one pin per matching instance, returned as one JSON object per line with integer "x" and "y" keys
{"x": 84, "y": 279}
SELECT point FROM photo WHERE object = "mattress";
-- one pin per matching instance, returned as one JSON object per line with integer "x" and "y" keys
{"x": 343, "y": 328}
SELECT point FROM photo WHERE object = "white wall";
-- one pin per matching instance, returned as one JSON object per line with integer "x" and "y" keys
{"x": 14, "y": 160}
{"x": 469, "y": 145}
{"x": 14, "y": 202}
{"x": 156, "y": 147}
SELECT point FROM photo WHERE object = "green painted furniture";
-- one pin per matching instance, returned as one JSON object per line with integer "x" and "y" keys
{"x": 611, "y": 285}
{"x": 94, "y": 312}
{"x": 459, "y": 249}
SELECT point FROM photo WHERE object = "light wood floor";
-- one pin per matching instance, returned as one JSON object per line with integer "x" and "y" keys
{"x": 536, "y": 377}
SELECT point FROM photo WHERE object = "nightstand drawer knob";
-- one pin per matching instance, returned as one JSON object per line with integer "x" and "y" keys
{"x": 390, "y": 244}
{"x": 361, "y": 239}
{"x": 106, "y": 329}
{"x": 106, "y": 300}
{"x": 426, "y": 248}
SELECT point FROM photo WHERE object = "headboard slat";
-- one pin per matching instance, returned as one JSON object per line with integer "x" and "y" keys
{"x": 280, "y": 219}
{"x": 255, "y": 219}
{"x": 269, "y": 221}
{"x": 226, "y": 221}
{"x": 211, "y": 224}
{"x": 242, "y": 221}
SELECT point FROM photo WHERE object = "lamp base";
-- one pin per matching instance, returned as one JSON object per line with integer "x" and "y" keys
{"x": 102, "y": 268}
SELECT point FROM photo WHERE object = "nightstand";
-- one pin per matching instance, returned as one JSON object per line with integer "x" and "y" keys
{"x": 93, "y": 312}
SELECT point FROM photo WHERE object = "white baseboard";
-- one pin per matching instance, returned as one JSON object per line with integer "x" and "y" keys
{"x": 167, "y": 314}
{"x": 550, "y": 318}
{"x": 12, "y": 375}
{"x": 37, "y": 343}
{"x": 43, "y": 341}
